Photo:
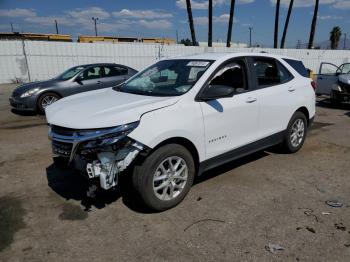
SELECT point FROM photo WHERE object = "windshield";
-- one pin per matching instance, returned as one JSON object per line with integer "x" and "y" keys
{"x": 68, "y": 74}
{"x": 167, "y": 78}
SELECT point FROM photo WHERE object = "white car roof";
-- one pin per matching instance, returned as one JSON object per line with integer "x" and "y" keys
{"x": 224, "y": 56}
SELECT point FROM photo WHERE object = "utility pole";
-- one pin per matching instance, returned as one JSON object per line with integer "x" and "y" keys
{"x": 210, "y": 25}
{"x": 344, "y": 41}
{"x": 250, "y": 36}
{"x": 177, "y": 37}
{"x": 95, "y": 21}
{"x": 56, "y": 27}
{"x": 12, "y": 27}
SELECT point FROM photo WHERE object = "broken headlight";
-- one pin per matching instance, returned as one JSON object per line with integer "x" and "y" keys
{"x": 107, "y": 137}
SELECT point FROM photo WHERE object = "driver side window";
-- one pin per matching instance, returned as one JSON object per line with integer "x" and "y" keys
{"x": 92, "y": 73}
{"x": 232, "y": 75}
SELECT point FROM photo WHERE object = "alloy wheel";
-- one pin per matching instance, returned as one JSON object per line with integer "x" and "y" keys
{"x": 297, "y": 132}
{"x": 170, "y": 178}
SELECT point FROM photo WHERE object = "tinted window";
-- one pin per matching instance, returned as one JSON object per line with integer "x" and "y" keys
{"x": 298, "y": 66}
{"x": 232, "y": 75}
{"x": 92, "y": 73}
{"x": 115, "y": 71}
{"x": 270, "y": 72}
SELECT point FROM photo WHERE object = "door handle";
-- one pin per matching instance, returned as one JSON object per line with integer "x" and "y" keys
{"x": 251, "y": 100}
{"x": 99, "y": 82}
{"x": 291, "y": 89}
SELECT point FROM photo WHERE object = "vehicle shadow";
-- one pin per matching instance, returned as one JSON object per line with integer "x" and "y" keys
{"x": 23, "y": 113}
{"x": 71, "y": 185}
{"x": 230, "y": 166}
{"x": 325, "y": 102}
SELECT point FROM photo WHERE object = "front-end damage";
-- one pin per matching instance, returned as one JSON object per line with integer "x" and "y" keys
{"x": 101, "y": 154}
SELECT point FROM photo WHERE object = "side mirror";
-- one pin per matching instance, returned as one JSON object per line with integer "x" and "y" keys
{"x": 79, "y": 79}
{"x": 213, "y": 92}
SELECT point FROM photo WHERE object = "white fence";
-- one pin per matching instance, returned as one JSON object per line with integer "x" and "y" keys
{"x": 35, "y": 60}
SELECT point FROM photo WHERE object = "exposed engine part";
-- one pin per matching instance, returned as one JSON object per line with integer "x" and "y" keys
{"x": 110, "y": 164}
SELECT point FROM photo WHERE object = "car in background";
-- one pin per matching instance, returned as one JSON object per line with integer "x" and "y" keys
{"x": 334, "y": 81}
{"x": 36, "y": 96}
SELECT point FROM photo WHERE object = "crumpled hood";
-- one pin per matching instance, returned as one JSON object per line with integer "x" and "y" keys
{"x": 25, "y": 87}
{"x": 103, "y": 108}
{"x": 344, "y": 79}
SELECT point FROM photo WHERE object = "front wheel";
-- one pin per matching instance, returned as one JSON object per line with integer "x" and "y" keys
{"x": 46, "y": 100}
{"x": 296, "y": 132}
{"x": 165, "y": 177}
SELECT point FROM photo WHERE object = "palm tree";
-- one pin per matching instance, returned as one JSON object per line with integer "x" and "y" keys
{"x": 275, "y": 42}
{"x": 335, "y": 35}
{"x": 210, "y": 26}
{"x": 190, "y": 20}
{"x": 230, "y": 22}
{"x": 313, "y": 26}
{"x": 287, "y": 23}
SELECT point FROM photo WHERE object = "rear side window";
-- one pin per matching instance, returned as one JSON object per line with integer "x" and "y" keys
{"x": 115, "y": 71}
{"x": 270, "y": 72}
{"x": 298, "y": 66}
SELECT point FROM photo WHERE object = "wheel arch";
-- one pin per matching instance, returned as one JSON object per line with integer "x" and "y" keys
{"x": 43, "y": 93}
{"x": 305, "y": 111}
{"x": 185, "y": 143}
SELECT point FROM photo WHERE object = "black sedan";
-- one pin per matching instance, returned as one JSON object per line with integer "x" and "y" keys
{"x": 36, "y": 96}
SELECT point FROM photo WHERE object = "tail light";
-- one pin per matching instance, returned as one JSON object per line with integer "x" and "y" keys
{"x": 314, "y": 85}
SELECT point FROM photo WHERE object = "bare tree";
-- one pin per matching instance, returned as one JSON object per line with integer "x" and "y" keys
{"x": 230, "y": 22}
{"x": 190, "y": 21}
{"x": 313, "y": 26}
{"x": 210, "y": 26}
{"x": 283, "y": 41}
{"x": 275, "y": 42}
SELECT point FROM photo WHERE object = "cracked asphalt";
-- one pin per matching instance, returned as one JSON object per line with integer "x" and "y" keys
{"x": 233, "y": 213}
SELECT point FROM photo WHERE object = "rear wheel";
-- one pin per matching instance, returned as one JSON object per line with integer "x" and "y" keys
{"x": 296, "y": 132}
{"x": 46, "y": 100}
{"x": 165, "y": 177}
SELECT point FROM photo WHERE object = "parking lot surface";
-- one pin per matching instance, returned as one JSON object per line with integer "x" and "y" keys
{"x": 265, "y": 207}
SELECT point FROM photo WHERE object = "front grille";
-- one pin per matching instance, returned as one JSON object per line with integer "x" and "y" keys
{"x": 62, "y": 148}
{"x": 63, "y": 131}
{"x": 345, "y": 87}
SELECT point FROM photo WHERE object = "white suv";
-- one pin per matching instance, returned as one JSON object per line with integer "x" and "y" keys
{"x": 180, "y": 117}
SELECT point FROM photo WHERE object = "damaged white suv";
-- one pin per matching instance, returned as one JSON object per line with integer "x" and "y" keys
{"x": 180, "y": 117}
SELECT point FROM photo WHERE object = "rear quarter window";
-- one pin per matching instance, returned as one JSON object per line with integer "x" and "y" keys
{"x": 298, "y": 66}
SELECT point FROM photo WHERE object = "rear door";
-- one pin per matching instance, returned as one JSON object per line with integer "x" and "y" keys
{"x": 326, "y": 78}
{"x": 275, "y": 92}
{"x": 231, "y": 122}
{"x": 114, "y": 75}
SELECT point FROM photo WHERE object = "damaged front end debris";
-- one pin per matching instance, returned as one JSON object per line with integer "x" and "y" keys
{"x": 101, "y": 153}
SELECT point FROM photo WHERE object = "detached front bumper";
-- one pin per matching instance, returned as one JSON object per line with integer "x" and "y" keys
{"x": 87, "y": 151}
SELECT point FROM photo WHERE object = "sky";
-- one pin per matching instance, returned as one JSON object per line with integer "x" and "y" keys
{"x": 163, "y": 18}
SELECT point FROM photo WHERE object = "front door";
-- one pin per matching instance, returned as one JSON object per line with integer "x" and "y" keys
{"x": 90, "y": 79}
{"x": 327, "y": 77}
{"x": 231, "y": 122}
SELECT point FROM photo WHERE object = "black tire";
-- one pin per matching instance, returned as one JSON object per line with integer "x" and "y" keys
{"x": 334, "y": 99}
{"x": 41, "y": 99}
{"x": 288, "y": 146}
{"x": 142, "y": 176}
